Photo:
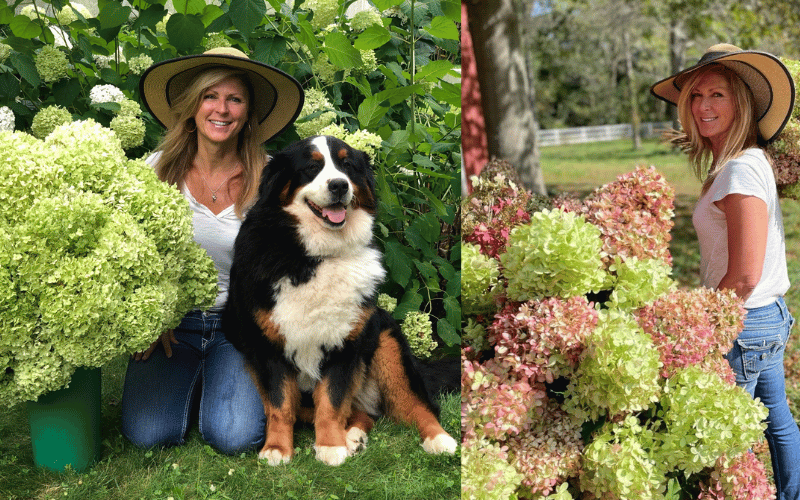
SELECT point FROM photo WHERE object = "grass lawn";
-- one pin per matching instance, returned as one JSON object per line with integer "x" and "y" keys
{"x": 393, "y": 466}
{"x": 580, "y": 168}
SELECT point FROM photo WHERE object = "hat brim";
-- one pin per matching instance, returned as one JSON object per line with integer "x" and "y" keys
{"x": 769, "y": 80}
{"x": 278, "y": 98}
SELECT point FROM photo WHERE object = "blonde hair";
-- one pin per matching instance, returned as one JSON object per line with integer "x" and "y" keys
{"x": 743, "y": 133}
{"x": 179, "y": 145}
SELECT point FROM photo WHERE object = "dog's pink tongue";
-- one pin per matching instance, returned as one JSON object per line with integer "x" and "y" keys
{"x": 335, "y": 215}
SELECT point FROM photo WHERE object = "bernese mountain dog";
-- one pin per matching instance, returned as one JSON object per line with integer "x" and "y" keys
{"x": 302, "y": 308}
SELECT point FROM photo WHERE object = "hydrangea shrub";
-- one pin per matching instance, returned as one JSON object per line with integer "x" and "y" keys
{"x": 785, "y": 149}
{"x": 98, "y": 257}
{"x": 594, "y": 375}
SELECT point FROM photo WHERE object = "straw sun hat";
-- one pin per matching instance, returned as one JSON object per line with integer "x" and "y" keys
{"x": 278, "y": 98}
{"x": 765, "y": 75}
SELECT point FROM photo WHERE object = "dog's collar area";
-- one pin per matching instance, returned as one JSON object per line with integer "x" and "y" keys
{"x": 335, "y": 214}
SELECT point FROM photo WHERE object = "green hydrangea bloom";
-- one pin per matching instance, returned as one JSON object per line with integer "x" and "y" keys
{"x": 129, "y": 107}
{"x": 360, "y": 139}
{"x": 556, "y": 254}
{"x": 387, "y": 302}
{"x": 316, "y": 102}
{"x": 418, "y": 330}
{"x": 48, "y": 119}
{"x": 322, "y": 68}
{"x": 5, "y": 51}
{"x": 480, "y": 285}
{"x": 140, "y": 63}
{"x": 486, "y": 473}
{"x": 474, "y": 334}
{"x": 369, "y": 63}
{"x": 217, "y": 40}
{"x": 97, "y": 257}
{"x": 324, "y": 12}
{"x": 640, "y": 282}
{"x": 52, "y": 64}
{"x": 364, "y": 19}
{"x": 7, "y": 119}
{"x": 129, "y": 129}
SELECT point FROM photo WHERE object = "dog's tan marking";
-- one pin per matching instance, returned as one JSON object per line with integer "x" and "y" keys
{"x": 342, "y": 154}
{"x": 366, "y": 314}
{"x": 269, "y": 329}
{"x": 402, "y": 403}
{"x": 331, "y": 422}
{"x": 317, "y": 156}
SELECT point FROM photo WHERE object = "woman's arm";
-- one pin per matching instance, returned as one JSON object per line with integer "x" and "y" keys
{"x": 748, "y": 221}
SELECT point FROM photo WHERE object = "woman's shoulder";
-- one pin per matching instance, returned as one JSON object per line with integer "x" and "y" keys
{"x": 153, "y": 158}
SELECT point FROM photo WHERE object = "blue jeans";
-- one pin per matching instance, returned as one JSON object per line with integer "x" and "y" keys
{"x": 757, "y": 361}
{"x": 160, "y": 393}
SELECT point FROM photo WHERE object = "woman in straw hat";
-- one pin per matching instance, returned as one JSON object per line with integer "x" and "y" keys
{"x": 730, "y": 104}
{"x": 219, "y": 108}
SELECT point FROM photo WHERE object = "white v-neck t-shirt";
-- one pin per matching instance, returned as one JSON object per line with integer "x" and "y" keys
{"x": 750, "y": 174}
{"x": 216, "y": 234}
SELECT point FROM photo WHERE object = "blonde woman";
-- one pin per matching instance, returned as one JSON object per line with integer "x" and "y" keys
{"x": 219, "y": 108}
{"x": 730, "y": 104}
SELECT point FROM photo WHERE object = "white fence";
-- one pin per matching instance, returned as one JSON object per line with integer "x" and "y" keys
{"x": 578, "y": 135}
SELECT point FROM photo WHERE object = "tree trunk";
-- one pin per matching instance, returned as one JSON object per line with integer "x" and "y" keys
{"x": 677, "y": 49}
{"x": 635, "y": 120}
{"x": 506, "y": 93}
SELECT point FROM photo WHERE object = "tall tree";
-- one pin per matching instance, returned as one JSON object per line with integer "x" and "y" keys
{"x": 506, "y": 92}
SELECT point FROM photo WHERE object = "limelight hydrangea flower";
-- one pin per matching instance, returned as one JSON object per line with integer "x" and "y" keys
{"x": 129, "y": 107}
{"x": 315, "y": 102}
{"x": 5, "y": 51}
{"x": 360, "y": 139}
{"x": 67, "y": 14}
{"x": 30, "y": 12}
{"x": 7, "y": 119}
{"x": 324, "y": 12}
{"x": 140, "y": 63}
{"x": 97, "y": 257}
{"x": 104, "y": 62}
{"x": 323, "y": 69}
{"x": 48, "y": 119}
{"x": 161, "y": 26}
{"x": 387, "y": 302}
{"x": 129, "y": 129}
{"x": 364, "y": 19}
{"x": 480, "y": 285}
{"x": 486, "y": 473}
{"x": 216, "y": 40}
{"x": 418, "y": 330}
{"x": 105, "y": 93}
{"x": 369, "y": 63}
{"x": 52, "y": 64}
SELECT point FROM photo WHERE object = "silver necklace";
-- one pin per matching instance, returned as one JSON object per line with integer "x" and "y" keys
{"x": 214, "y": 191}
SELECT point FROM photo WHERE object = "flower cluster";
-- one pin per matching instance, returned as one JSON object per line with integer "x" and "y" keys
{"x": 52, "y": 64}
{"x": 317, "y": 113}
{"x": 575, "y": 331}
{"x": 741, "y": 477}
{"x": 5, "y": 52}
{"x": 7, "y": 119}
{"x": 217, "y": 40}
{"x": 130, "y": 129}
{"x": 68, "y": 14}
{"x": 486, "y": 473}
{"x": 387, "y": 302}
{"x": 324, "y": 12}
{"x": 98, "y": 257}
{"x": 418, "y": 329}
{"x": 47, "y": 119}
{"x": 138, "y": 64}
{"x": 365, "y": 18}
{"x": 105, "y": 93}
{"x": 360, "y": 139}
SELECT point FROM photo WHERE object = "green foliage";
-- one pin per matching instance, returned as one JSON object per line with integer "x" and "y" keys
{"x": 98, "y": 259}
{"x": 391, "y": 73}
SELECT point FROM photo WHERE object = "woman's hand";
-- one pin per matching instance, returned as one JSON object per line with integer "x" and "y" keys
{"x": 166, "y": 339}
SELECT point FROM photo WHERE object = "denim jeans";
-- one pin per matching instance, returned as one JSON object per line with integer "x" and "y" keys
{"x": 757, "y": 361}
{"x": 160, "y": 393}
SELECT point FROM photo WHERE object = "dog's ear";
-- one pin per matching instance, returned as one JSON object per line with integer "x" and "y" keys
{"x": 274, "y": 177}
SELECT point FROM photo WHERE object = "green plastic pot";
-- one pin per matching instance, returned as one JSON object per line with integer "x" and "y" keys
{"x": 65, "y": 424}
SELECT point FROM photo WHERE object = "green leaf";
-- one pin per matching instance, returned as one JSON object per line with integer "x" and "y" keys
{"x": 66, "y": 91}
{"x": 247, "y": 15}
{"x": 447, "y": 333}
{"x": 341, "y": 52}
{"x": 270, "y": 50}
{"x": 189, "y": 6}
{"x": 185, "y": 32}
{"x": 113, "y": 15}
{"x": 149, "y": 17}
{"x": 372, "y": 38}
{"x": 370, "y": 112}
{"x": 6, "y": 14}
{"x": 453, "y": 287}
{"x": 433, "y": 71}
{"x": 26, "y": 68}
{"x": 212, "y": 13}
{"x": 451, "y": 9}
{"x": 9, "y": 86}
{"x": 447, "y": 92}
{"x": 24, "y": 27}
{"x": 442, "y": 27}
{"x": 410, "y": 301}
{"x": 398, "y": 263}
{"x": 436, "y": 203}
{"x": 385, "y": 4}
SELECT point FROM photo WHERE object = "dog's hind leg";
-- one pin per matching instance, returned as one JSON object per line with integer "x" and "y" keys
{"x": 405, "y": 399}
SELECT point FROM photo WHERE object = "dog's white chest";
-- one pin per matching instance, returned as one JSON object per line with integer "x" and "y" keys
{"x": 320, "y": 314}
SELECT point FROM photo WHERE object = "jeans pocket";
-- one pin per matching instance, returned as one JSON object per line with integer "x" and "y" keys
{"x": 757, "y": 353}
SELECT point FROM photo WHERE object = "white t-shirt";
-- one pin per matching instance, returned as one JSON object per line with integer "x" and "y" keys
{"x": 215, "y": 234}
{"x": 750, "y": 175}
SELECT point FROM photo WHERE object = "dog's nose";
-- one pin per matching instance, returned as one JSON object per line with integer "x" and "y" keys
{"x": 338, "y": 189}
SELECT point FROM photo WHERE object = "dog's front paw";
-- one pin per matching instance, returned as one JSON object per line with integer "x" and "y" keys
{"x": 442, "y": 443}
{"x": 274, "y": 456}
{"x": 356, "y": 440}
{"x": 331, "y": 455}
